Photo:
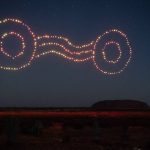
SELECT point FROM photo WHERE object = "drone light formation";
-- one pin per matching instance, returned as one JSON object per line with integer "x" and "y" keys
{"x": 22, "y": 42}
{"x": 34, "y": 47}
{"x": 105, "y": 55}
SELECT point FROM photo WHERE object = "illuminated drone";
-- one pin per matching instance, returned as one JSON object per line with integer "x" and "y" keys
{"x": 33, "y": 47}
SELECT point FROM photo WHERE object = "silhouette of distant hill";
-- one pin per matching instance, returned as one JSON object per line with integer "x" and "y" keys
{"x": 120, "y": 104}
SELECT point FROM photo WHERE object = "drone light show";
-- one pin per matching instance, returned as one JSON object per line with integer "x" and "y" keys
{"x": 33, "y": 47}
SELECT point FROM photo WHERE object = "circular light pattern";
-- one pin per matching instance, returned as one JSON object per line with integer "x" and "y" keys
{"x": 105, "y": 55}
{"x": 125, "y": 52}
{"x": 17, "y": 28}
{"x": 21, "y": 52}
{"x": 37, "y": 46}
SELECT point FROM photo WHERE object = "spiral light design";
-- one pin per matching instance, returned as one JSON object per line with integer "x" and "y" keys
{"x": 33, "y": 47}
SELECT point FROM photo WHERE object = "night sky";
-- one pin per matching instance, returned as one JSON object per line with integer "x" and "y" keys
{"x": 52, "y": 81}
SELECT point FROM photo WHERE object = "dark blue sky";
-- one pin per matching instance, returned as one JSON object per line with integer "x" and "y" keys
{"x": 53, "y": 81}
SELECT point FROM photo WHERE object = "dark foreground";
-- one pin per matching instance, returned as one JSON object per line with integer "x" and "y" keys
{"x": 74, "y": 129}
